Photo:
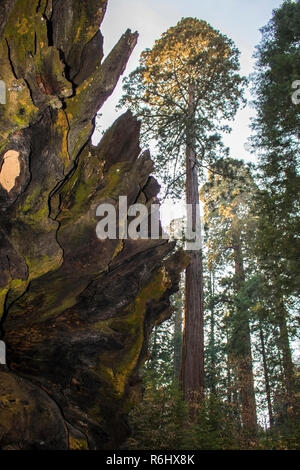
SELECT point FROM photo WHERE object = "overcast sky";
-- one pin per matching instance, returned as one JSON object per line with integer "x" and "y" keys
{"x": 238, "y": 19}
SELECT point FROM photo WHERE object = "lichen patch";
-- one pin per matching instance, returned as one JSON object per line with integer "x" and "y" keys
{"x": 10, "y": 170}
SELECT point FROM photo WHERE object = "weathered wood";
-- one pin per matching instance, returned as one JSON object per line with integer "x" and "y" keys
{"x": 75, "y": 312}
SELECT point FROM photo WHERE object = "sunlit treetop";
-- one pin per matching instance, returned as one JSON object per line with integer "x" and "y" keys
{"x": 229, "y": 210}
{"x": 192, "y": 53}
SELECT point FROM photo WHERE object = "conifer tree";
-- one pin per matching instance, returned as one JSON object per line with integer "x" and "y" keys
{"x": 185, "y": 88}
{"x": 276, "y": 142}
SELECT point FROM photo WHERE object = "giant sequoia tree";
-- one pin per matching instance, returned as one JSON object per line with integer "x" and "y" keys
{"x": 183, "y": 90}
{"x": 75, "y": 311}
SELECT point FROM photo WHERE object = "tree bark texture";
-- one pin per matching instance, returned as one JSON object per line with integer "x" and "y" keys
{"x": 266, "y": 374}
{"x": 192, "y": 376}
{"x": 242, "y": 352}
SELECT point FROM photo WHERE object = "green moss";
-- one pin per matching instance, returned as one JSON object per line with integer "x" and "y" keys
{"x": 41, "y": 265}
{"x": 17, "y": 283}
{"x": 77, "y": 444}
{"x": 16, "y": 289}
{"x": 26, "y": 34}
{"x": 36, "y": 217}
{"x": 79, "y": 133}
{"x": 75, "y": 194}
{"x": 134, "y": 326}
{"x": 30, "y": 200}
{"x": 27, "y": 22}
{"x": 12, "y": 291}
{"x": 117, "y": 370}
{"x": 34, "y": 210}
{"x": 118, "y": 249}
{"x": 82, "y": 186}
{"x": 3, "y": 293}
{"x": 49, "y": 295}
{"x": 81, "y": 195}
{"x": 112, "y": 182}
{"x": 18, "y": 97}
{"x": 53, "y": 306}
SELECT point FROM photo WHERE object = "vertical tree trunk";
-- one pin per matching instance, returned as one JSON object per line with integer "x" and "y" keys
{"x": 212, "y": 345}
{"x": 228, "y": 367}
{"x": 266, "y": 374}
{"x": 242, "y": 350}
{"x": 193, "y": 340}
{"x": 287, "y": 361}
{"x": 232, "y": 385}
{"x": 177, "y": 343}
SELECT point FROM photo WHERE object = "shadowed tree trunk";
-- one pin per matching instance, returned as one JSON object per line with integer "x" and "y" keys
{"x": 287, "y": 361}
{"x": 212, "y": 342}
{"x": 242, "y": 351}
{"x": 177, "y": 341}
{"x": 266, "y": 374}
{"x": 76, "y": 312}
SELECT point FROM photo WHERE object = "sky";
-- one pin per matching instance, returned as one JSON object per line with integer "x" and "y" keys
{"x": 238, "y": 19}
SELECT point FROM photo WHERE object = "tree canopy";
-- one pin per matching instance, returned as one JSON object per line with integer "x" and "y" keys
{"x": 190, "y": 53}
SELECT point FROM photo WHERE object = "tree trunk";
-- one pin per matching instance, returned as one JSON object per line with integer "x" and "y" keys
{"x": 177, "y": 342}
{"x": 212, "y": 345}
{"x": 228, "y": 368}
{"x": 287, "y": 361}
{"x": 242, "y": 352}
{"x": 193, "y": 340}
{"x": 232, "y": 380}
{"x": 266, "y": 374}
